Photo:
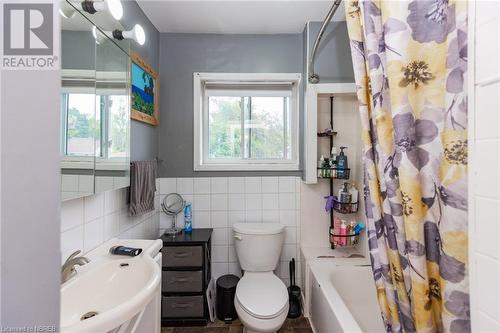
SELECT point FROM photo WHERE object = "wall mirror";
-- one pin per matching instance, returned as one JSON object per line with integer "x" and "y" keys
{"x": 95, "y": 109}
{"x": 112, "y": 163}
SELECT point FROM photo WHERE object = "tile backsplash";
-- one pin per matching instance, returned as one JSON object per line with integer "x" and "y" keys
{"x": 219, "y": 202}
{"x": 88, "y": 222}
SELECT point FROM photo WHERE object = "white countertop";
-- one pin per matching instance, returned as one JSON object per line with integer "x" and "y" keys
{"x": 149, "y": 247}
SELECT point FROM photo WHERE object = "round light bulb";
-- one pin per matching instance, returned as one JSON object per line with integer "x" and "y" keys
{"x": 98, "y": 35}
{"x": 115, "y": 8}
{"x": 139, "y": 34}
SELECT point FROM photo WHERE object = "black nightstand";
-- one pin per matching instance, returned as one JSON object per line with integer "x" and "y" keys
{"x": 185, "y": 277}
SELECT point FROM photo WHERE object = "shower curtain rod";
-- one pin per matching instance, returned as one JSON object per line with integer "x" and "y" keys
{"x": 313, "y": 77}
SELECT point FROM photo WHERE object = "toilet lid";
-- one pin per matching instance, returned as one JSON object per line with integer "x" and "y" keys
{"x": 262, "y": 295}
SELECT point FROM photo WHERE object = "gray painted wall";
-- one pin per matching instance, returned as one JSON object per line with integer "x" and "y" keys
{"x": 183, "y": 54}
{"x": 144, "y": 137}
{"x": 333, "y": 60}
{"x": 78, "y": 50}
{"x": 30, "y": 202}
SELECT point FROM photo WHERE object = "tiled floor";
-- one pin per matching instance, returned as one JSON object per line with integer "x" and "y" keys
{"x": 299, "y": 325}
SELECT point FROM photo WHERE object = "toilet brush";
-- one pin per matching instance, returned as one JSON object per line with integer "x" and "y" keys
{"x": 293, "y": 293}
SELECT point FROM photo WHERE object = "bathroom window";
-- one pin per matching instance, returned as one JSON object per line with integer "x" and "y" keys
{"x": 246, "y": 121}
{"x": 87, "y": 132}
{"x": 79, "y": 124}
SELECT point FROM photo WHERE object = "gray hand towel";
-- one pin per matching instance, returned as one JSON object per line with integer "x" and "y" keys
{"x": 142, "y": 187}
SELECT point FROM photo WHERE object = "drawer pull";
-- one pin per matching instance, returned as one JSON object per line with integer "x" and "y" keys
{"x": 182, "y": 305}
{"x": 182, "y": 254}
{"x": 181, "y": 280}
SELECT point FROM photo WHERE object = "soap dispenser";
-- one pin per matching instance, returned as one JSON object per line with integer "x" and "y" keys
{"x": 344, "y": 194}
{"x": 342, "y": 164}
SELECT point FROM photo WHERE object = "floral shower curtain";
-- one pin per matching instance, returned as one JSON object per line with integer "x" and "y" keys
{"x": 410, "y": 63}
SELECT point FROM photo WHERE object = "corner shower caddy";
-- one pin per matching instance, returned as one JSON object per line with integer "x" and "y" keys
{"x": 339, "y": 207}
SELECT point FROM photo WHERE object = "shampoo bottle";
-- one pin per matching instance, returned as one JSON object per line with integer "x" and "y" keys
{"x": 342, "y": 164}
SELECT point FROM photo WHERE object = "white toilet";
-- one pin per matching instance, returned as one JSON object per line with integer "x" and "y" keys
{"x": 261, "y": 297}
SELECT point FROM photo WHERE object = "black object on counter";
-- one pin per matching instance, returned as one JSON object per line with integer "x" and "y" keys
{"x": 294, "y": 294}
{"x": 226, "y": 291}
{"x": 125, "y": 251}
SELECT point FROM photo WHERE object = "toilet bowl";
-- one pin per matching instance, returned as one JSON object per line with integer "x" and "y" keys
{"x": 261, "y": 299}
{"x": 261, "y": 302}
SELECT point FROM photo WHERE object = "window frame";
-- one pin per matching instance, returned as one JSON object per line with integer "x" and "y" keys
{"x": 102, "y": 96}
{"x": 200, "y": 101}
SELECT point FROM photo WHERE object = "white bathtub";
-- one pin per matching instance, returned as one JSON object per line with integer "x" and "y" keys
{"x": 343, "y": 297}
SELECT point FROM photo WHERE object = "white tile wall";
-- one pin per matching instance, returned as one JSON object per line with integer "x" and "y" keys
{"x": 484, "y": 198}
{"x": 220, "y": 202}
{"x": 88, "y": 222}
{"x": 76, "y": 185}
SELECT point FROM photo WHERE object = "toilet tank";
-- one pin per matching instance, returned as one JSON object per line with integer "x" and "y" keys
{"x": 258, "y": 245}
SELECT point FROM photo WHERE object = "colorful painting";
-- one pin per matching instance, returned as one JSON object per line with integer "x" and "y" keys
{"x": 144, "y": 91}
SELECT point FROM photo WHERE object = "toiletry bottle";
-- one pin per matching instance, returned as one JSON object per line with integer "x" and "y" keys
{"x": 354, "y": 194}
{"x": 343, "y": 228}
{"x": 344, "y": 195}
{"x": 334, "y": 154}
{"x": 348, "y": 232}
{"x": 336, "y": 230}
{"x": 188, "y": 218}
{"x": 360, "y": 226}
{"x": 352, "y": 228}
{"x": 322, "y": 166}
{"x": 326, "y": 168}
{"x": 342, "y": 164}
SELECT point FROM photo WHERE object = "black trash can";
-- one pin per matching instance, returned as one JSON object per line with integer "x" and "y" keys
{"x": 226, "y": 291}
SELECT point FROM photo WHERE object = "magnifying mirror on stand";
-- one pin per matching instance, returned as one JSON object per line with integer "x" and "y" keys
{"x": 172, "y": 205}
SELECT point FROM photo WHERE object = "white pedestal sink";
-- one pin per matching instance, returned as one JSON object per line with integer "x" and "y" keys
{"x": 112, "y": 293}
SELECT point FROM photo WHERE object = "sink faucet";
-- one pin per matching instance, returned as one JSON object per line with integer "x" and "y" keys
{"x": 68, "y": 268}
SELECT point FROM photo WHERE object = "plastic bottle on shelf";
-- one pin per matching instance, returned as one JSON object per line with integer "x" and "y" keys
{"x": 334, "y": 154}
{"x": 342, "y": 164}
{"x": 343, "y": 232}
{"x": 348, "y": 231}
{"x": 344, "y": 194}
{"x": 354, "y": 194}
{"x": 321, "y": 166}
{"x": 336, "y": 230}
{"x": 188, "y": 218}
{"x": 352, "y": 228}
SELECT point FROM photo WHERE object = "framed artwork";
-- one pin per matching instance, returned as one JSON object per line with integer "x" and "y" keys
{"x": 144, "y": 95}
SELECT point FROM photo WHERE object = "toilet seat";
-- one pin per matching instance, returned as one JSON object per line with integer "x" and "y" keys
{"x": 262, "y": 295}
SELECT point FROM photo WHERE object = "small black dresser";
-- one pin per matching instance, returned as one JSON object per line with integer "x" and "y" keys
{"x": 185, "y": 277}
